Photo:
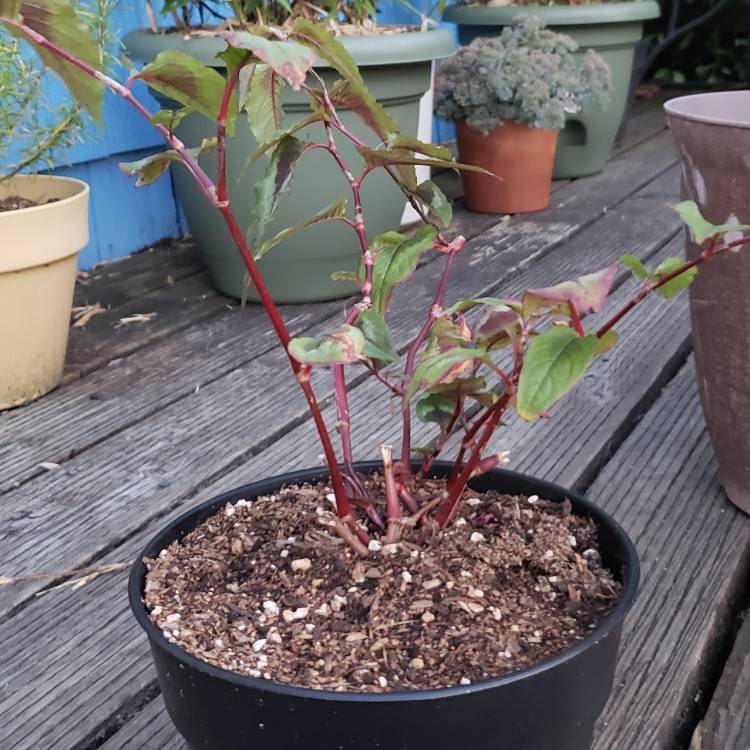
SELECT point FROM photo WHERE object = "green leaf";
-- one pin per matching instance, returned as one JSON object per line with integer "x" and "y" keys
{"x": 345, "y": 344}
{"x": 447, "y": 333}
{"x": 700, "y": 228}
{"x": 586, "y": 293}
{"x": 491, "y": 302}
{"x": 435, "y": 407}
{"x": 442, "y": 368}
{"x": 170, "y": 118}
{"x": 260, "y": 91}
{"x": 289, "y": 59}
{"x": 635, "y": 266}
{"x": 334, "y": 211}
{"x": 606, "y": 342}
{"x": 385, "y": 157}
{"x": 189, "y": 82}
{"x": 396, "y": 257}
{"x": 678, "y": 283}
{"x": 58, "y": 21}
{"x": 377, "y": 338}
{"x": 460, "y": 387}
{"x": 555, "y": 361}
{"x": 151, "y": 168}
{"x": 434, "y": 198}
{"x": 275, "y": 181}
{"x": 316, "y": 116}
{"x": 315, "y": 37}
{"x": 407, "y": 143}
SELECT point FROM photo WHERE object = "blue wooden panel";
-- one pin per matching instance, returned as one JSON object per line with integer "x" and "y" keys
{"x": 124, "y": 219}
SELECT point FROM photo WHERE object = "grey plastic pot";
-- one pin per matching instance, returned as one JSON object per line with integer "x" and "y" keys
{"x": 611, "y": 29}
{"x": 397, "y": 70}
{"x": 712, "y": 133}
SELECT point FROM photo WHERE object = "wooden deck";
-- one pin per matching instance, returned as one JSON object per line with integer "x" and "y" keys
{"x": 156, "y": 416}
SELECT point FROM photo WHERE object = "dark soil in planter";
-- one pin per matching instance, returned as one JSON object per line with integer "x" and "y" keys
{"x": 15, "y": 202}
{"x": 268, "y": 589}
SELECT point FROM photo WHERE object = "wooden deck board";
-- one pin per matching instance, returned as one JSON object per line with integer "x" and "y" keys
{"x": 37, "y": 617}
{"x": 726, "y": 725}
{"x": 137, "y": 441}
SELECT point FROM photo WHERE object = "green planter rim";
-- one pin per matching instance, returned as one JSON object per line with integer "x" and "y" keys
{"x": 376, "y": 49}
{"x": 554, "y": 15}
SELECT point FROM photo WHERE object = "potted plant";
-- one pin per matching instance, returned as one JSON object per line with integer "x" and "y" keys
{"x": 509, "y": 96}
{"x": 43, "y": 218}
{"x": 404, "y": 603}
{"x": 613, "y": 29}
{"x": 712, "y": 133}
{"x": 396, "y": 64}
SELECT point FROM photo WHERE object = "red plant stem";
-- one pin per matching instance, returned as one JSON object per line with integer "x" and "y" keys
{"x": 392, "y": 502}
{"x": 411, "y": 356}
{"x": 221, "y": 133}
{"x": 209, "y": 189}
{"x": 576, "y": 319}
{"x": 709, "y": 252}
{"x": 456, "y": 488}
{"x": 445, "y": 433}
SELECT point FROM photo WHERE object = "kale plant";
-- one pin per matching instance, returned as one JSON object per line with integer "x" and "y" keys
{"x": 528, "y": 74}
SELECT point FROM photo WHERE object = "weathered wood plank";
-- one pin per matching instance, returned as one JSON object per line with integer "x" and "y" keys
{"x": 140, "y": 469}
{"x": 581, "y": 419}
{"x": 662, "y": 486}
{"x": 726, "y": 725}
{"x": 79, "y": 614}
{"x": 112, "y": 283}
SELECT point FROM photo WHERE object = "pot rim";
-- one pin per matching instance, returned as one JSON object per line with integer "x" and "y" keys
{"x": 678, "y": 107}
{"x": 367, "y": 50}
{"x": 136, "y": 580}
{"x": 555, "y": 15}
{"x": 82, "y": 191}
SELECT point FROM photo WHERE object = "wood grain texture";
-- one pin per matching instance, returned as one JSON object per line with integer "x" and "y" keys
{"x": 79, "y": 614}
{"x": 662, "y": 486}
{"x": 726, "y": 725}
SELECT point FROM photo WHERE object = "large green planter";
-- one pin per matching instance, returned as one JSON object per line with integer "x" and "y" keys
{"x": 612, "y": 30}
{"x": 397, "y": 69}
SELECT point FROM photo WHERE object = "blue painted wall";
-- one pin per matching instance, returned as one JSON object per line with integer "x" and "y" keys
{"x": 123, "y": 219}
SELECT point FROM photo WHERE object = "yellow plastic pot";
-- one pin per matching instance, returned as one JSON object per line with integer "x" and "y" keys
{"x": 38, "y": 251}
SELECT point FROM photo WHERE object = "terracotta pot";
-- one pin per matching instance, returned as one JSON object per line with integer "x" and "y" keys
{"x": 712, "y": 132}
{"x": 522, "y": 157}
{"x": 40, "y": 246}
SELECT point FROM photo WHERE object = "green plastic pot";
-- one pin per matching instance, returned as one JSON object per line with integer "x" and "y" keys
{"x": 611, "y": 29}
{"x": 397, "y": 70}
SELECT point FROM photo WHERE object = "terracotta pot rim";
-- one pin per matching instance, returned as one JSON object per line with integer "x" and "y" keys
{"x": 690, "y": 108}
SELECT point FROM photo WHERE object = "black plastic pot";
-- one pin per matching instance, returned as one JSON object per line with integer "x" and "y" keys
{"x": 550, "y": 706}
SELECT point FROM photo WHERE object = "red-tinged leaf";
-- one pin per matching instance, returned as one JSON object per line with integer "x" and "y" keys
{"x": 442, "y": 368}
{"x": 385, "y": 157}
{"x": 314, "y": 36}
{"x": 344, "y": 345}
{"x": 59, "y": 22}
{"x": 191, "y": 83}
{"x": 334, "y": 211}
{"x": 289, "y": 59}
{"x": 447, "y": 333}
{"x": 260, "y": 90}
{"x": 276, "y": 180}
{"x": 586, "y": 293}
{"x": 460, "y": 387}
{"x": 498, "y": 327}
{"x": 151, "y": 168}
